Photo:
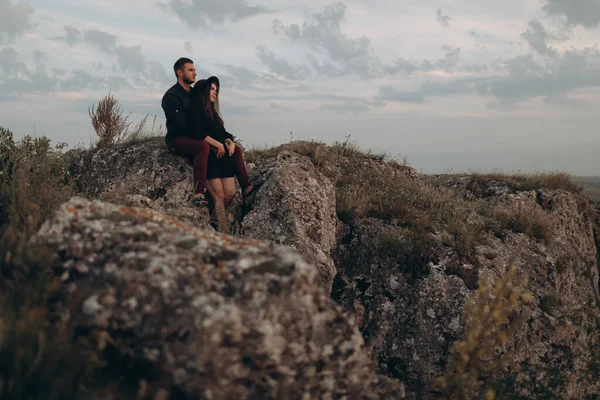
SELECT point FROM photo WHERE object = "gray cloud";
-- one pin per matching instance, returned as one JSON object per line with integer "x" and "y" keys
{"x": 130, "y": 59}
{"x": 443, "y": 19}
{"x": 450, "y": 60}
{"x": 577, "y": 12}
{"x": 115, "y": 82}
{"x": 280, "y": 66}
{"x": 389, "y": 93}
{"x": 279, "y": 107}
{"x": 344, "y": 105}
{"x": 4, "y": 97}
{"x": 445, "y": 89}
{"x": 58, "y": 72}
{"x": 449, "y": 63}
{"x": 401, "y": 66}
{"x": 81, "y": 79}
{"x": 519, "y": 79}
{"x": 537, "y": 38}
{"x": 233, "y": 109}
{"x": 325, "y": 68}
{"x": 17, "y": 78}
{"x": 329, "y": 101}
{"x": 187, "y": 46}
{"x": 105, "y": 41}
{"x": 206, "y": 13}
{"x": 155, "y": 72}
{"x": 14, "y": 20}
{"x": 347, "y": 106}
{"x": 72, "y": 35}
{"x": 40, "y": 79}
{"x": 322, "y": 32}
{"x": 562, "y": 101}
{"x": 527, "y": 78}
{"x": 522, "y": 66}
{"x": 9, "y": 63}
{"x": 241, "y": 76}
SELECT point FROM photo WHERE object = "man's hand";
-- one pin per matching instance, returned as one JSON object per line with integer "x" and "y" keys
{"x": 230, "y": 147}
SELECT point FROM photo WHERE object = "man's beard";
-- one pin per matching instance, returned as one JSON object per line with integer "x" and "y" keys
{"x": 188, "y": 81}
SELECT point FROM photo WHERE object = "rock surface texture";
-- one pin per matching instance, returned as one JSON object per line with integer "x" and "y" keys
{"x": 295, "y": 206}
{"x": 201, "y": 314}
{"x": 143, "y": 174}
{"x": 219, "y": 317}
{"x": 410, "y": 310}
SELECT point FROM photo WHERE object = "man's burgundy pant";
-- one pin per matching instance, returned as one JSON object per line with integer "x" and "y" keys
{"x": 199, "y": 150}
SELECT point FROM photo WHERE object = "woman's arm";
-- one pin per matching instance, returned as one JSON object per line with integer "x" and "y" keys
{"x": 212, "y": 141}
{"x": 201, "y": 131}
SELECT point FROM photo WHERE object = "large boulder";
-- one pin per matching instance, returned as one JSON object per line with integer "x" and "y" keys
{"x": 200, "y": 314}
{"x": 407, "y": 292}
{"x": 295, "y": 206}
{"x": 142, "y": 173}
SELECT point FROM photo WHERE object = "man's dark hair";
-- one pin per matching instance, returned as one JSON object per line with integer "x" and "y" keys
{"x": 180, "y": 63}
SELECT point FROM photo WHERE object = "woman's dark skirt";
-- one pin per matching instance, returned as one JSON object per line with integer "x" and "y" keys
{"x": 223, "y": 167}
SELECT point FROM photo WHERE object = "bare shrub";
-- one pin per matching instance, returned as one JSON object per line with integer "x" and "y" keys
{"x": 108, "y": 120}
{"x": 493, "y": 315}
{"x": 112, "y": 126}
{"x": 33, "y": 181}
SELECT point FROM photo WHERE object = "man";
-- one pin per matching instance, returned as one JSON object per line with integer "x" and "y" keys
{"x": 179, "y": 138}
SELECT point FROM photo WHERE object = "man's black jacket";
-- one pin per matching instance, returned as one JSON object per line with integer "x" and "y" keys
{"x": 176, "y": 104}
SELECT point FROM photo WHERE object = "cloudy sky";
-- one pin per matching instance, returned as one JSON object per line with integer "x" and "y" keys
{"x": 453, "y": 85}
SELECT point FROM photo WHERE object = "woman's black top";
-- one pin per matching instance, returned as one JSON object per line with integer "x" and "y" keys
{"x": 203, "y": 126}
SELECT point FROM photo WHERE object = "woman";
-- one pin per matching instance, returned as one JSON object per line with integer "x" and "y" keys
{"x": 225, "y": 160}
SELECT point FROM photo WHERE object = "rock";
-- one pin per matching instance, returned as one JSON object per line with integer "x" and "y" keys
{"x": 409, "y": 317}
{"x": 200, "y": 314}
{"x": 408, "y": 302}
{"x": 141, "y": 173}
{"x": 295, "y": 206}
{"x": 471, "y": 187}
{"x": 257, "y": 314}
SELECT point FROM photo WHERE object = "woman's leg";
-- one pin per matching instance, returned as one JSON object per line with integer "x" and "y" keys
{"x": 215, "y": 188}
{"x": 199, "y": 150}
{"x": 240, "y": 170}
{"x": 228, "y": 190}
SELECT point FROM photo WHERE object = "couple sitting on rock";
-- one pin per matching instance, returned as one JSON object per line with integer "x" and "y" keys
{"x": 195, "y": 129}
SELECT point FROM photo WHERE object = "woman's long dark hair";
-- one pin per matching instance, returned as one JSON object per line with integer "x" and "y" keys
{"x": 200, "y": 97}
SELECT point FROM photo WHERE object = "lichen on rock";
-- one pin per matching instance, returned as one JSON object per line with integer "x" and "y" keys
{"x": 296, "y": 207}
{"x": 206, "y": 315}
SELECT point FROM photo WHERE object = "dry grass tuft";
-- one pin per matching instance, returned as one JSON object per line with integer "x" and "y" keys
{"x": 493, "y": 316}
{"x": 526, "y": 182}
{"x": 108, "y": 120}
{"x": 112, "y": 126}
{"x": 524, "y": 217}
